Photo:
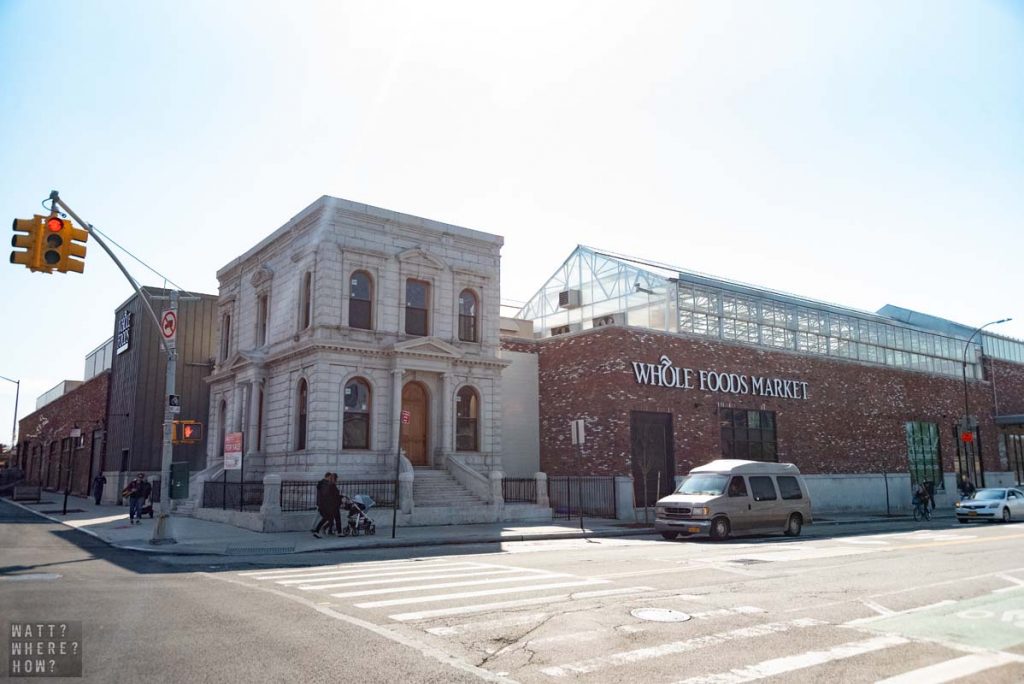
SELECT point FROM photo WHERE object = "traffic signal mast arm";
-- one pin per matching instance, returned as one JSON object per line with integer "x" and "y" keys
{"x": 57, "y": 201}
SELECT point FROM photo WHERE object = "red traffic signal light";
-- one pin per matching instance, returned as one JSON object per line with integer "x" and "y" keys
{"x": 54, "y": 224}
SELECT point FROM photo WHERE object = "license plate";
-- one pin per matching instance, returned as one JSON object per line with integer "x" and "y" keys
{"x": 693, "y": 530}
{"x": 972, "y": 513}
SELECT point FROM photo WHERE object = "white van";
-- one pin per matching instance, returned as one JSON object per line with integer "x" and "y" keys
{"x": 736, "y": 497}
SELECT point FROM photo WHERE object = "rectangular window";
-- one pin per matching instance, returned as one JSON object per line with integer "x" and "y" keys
{"x": 789, "y": 487}
{"x": 762, "y": 488}
{"x": 225, "y": 336}
{"x": 748, "y": 435}
{"x": 923, "y": 455}
{"x": 417, "y": 297}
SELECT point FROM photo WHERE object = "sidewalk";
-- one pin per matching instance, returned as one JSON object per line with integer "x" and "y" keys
{"x": 109, "y": 523}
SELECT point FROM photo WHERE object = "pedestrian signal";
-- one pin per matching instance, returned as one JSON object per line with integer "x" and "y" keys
{"x": 187, "y": 432}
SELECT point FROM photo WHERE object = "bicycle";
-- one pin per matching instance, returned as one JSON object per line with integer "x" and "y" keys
{"x": 921, "y": 510}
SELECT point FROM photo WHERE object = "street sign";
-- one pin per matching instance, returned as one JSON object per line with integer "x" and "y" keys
{"x": 76, "y": 433}
{"x": 576, "y": 426}
{"x": 233, "y": 451}
{"x": 406, "y": 416}
{"x": 174, "y": 403}
{"x": 169, "y": 325}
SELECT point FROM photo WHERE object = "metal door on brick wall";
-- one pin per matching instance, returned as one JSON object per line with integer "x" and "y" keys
{"x": 1014, "y": 440}
{"x": 969, "y": 460}
{"x": 652, "y": 457}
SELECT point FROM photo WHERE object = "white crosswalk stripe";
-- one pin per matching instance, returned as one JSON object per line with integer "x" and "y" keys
{"x": 433, "y": 598}
{"x": 520, "y": 603}
{"x": 443, "y": 585}
{"x": 399, "y": 580}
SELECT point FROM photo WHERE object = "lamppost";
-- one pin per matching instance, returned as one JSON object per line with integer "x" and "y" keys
{"x": 17, "y": 391}
{"x": 967, "y": 411}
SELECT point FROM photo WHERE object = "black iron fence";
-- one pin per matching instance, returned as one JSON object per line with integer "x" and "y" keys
{"x": 301, "y": 496}
{"x": 593, "y": 496}
{"x": 519, "y": 489}
{"x": 236, "y": 496}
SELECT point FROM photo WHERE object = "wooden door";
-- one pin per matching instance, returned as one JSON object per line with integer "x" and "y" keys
{"x": 414, "y": 434}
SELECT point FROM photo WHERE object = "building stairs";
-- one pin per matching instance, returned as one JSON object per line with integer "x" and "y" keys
{"x": 436, "y": 488}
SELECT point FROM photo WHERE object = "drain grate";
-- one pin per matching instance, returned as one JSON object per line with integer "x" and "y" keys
{"x": 748, "y": 561}
{"x": 257, "y": 550}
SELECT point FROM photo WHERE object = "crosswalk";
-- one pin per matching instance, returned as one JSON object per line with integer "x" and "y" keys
{"x": 581, "y": 628}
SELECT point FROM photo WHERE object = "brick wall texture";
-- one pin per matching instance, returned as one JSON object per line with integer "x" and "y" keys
{"x": 41, "y": 436}
{"x": 853, "y": 420}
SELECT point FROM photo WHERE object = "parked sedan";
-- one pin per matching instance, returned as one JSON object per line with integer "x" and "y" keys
{"x": 991, "y": 503}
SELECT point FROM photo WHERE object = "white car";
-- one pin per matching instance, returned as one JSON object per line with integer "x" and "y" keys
{"x": 991, "y": 503}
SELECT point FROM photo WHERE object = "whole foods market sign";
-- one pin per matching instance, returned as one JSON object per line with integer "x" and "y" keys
{"x": 664, "y": 374}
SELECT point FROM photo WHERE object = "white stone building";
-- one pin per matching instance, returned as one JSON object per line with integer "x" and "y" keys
{"x": 342, "y": 319}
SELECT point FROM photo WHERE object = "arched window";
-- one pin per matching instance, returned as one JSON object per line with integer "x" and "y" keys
{"x": 300, "y": 428}
{"x": 356, "y": 424}
{"x": 306, "y": 302}
{"x": 259, "y": 420}
{"x": 467, "y": 411}
{"x": 467, "y": 316}
{"x": 360, "y": 301}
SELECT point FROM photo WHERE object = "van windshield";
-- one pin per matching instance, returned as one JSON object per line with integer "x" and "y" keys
{"x": 703, "y": 484}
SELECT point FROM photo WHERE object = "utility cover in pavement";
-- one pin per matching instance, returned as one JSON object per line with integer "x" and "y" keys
{"x": 659, "y": 614}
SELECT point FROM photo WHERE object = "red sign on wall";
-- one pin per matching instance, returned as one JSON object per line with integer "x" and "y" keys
{"x": 405, "y": 417}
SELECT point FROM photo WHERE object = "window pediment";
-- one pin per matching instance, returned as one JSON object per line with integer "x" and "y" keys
{"x": 418, "y": 257}
{"x": 262, "y": 276}
{"x": 429, "y": 346}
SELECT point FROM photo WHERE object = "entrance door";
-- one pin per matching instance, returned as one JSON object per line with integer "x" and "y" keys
{"x": 652, "y": 457}
{"x": 968, "y": 456}
{"x": 414, "y": 435}
{"x": 1014, "y": 439}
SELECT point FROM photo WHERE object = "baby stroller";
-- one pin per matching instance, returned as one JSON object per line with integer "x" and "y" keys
{"x": 358, "y": 521}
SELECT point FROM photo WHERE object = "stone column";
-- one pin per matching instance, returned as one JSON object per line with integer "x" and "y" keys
{"x": 405, "y": 502}
{"x": 396, "y": 408}
{"x": 447, "y": 420}
{"x": 542, "y": 489}
{"x": 271, "y": 495}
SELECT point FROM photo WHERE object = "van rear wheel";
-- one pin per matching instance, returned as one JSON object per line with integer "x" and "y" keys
{"x": 720, "y": 528}
{"x": 794, "y": 525}
{"x": 670, "y": 535}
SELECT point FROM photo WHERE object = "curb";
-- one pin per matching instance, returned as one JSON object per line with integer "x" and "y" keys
{"x": 382, "y": 544}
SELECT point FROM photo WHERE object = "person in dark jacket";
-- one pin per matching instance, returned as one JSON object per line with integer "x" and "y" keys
{"x": 137, "y": 491}
{"x": 325, "y": 505}
{"x": 97, "y": 487}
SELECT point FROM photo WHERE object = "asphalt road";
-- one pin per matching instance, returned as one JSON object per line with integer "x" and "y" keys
{"x": 899, "y": 602}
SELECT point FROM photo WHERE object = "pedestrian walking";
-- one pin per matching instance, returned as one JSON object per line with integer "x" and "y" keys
{"x": 324, "y": 503}
{"x": 97, "y": 487}
{"x": 137, "y": 491}
{"x": 967, "y": 488}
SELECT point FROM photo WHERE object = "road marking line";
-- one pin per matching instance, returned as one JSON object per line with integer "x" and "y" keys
{"x": 445, "y": 585}
{"x": 345, "y": 566}
{"x": 478, "y": 625}
{"x": 425, "y": 649}
{"x": 330, "y": 577}
{"x": 630, "y": 657}
{"x": 502, "y": 605}
{"x": 397, "y": 580}
{"x": 878, "y": 608}
{"x": 473, "y": 594}
{"x": 890, "y": 613}
{"x": 787, "y": 664}
{"x": 957, "y": 668}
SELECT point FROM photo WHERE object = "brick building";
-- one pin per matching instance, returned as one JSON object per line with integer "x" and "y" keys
{"x": 671, "y": 369}
{"x": 50, "y": 455}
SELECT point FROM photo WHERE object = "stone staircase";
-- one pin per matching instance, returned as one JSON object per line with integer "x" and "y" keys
{"x": 436, "y": 488}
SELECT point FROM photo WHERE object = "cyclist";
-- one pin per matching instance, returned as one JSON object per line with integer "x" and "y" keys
{"x": 922, "y": 502}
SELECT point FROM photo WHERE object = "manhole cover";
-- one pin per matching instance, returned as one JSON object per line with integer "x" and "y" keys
{"x": 748, "y": 561}
{"x": 30, "y": 577}
{"x": 659, "y": 614}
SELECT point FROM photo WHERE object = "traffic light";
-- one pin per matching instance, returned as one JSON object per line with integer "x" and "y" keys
{"x": 61, "y": 250}
{"x": 187, "y": 432}
{"x": 28, "y": 235}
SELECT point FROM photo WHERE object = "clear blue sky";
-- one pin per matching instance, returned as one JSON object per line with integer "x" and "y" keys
{"x": 862, "y": 153}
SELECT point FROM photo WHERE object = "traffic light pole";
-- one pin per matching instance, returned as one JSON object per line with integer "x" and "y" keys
{"x": 161, "y": 531}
